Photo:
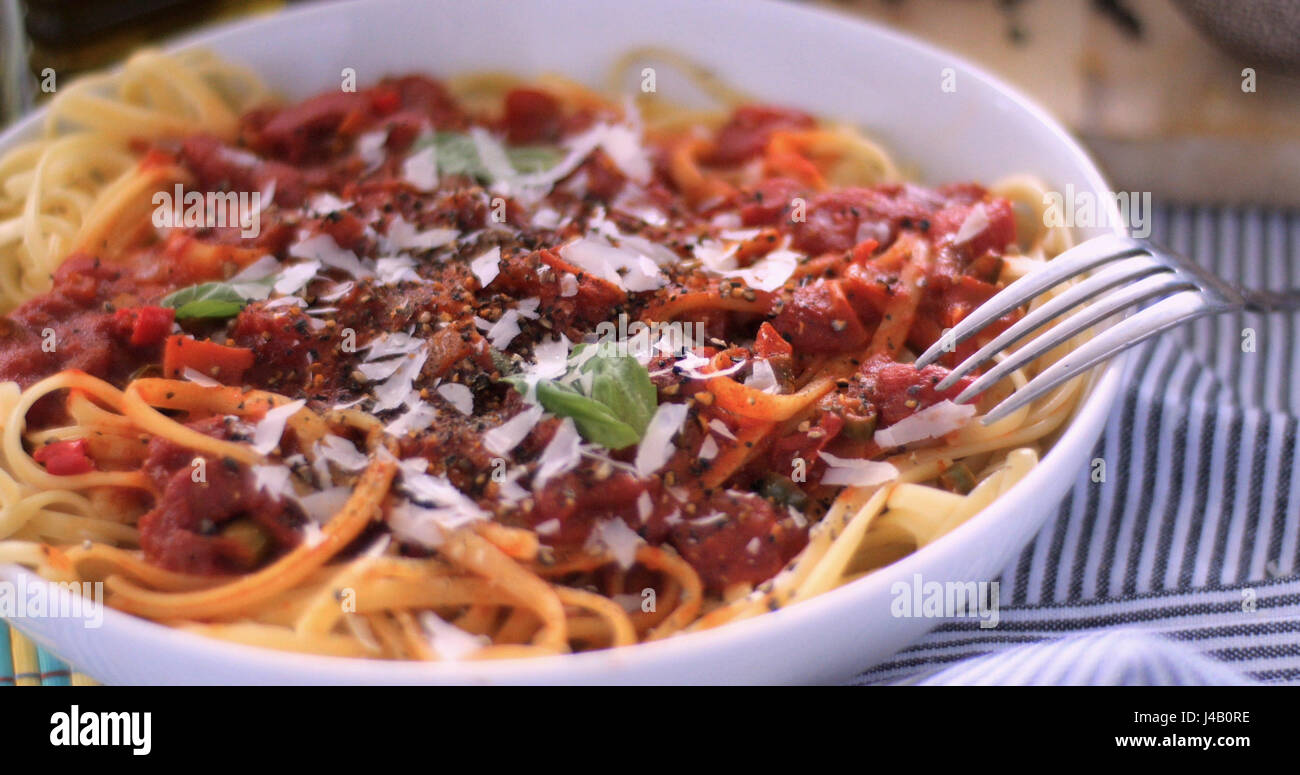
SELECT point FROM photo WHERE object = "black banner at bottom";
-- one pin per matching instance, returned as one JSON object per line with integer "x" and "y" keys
{"x": 236, "y": 725}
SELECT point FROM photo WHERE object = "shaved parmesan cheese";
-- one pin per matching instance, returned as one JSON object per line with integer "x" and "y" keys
{"x": 487, "y": 266}
{"x": 739, "y": 235}
{"x": 855, "y": 472}
{"x": 796, "y": 516}
{"x": 769, "y": 272}
{"x": 393, "y": 391}
{"x": 528, "y": 307}
{"x": 568, "y": 285}
{"x": 616, "y": 538}
{"x": 552, "y": 358}
{"x": 323, "y": 248}
{"x": 459, "y": 396}
{"x": 348, "y": 404}
{"x": 448, "y": 641}
{"x": 622, "y": 144}
{"x": 341, "y": 453}
{"x": 436, "y": 508}
{"x": 199, "y": 378}
{"x": 266, "y": 196}
{"x": 719, "y": 427}
{"x": 260, "y": 269}
{"x": 657, "y": 444}
{"x": 420, "y": 169}
{"x": 763, "y": 378}
{"x": 547, "y": 528}
{"x": 645, "y": 506}
{"x": 394, "y": 270}
{"x": 392, "y": 343}
{"x": 418, "y": 416}
{"x": 726, "y": 221}
{"x": 691, "y": 365}
{"x": 546, "y": 218}
{"x": 380, "y": 369}
{"x": 402, "y": 236}
{"x": 929, "y": 423}
{"x": 710, "y": 519}
{"x": 312, "y": 535}
{"x": 492, "y": 154}
{"x": 286, "y": 301}
{"x": 561, "y": 454}
{"x": 426, "y": 489}
{"x": 325, "y": 203}
{"x": 267, "y": 432}
{"x": 977, "y": 220}
{"x": 504, "y": 330}
{"x": 321, "y": 506}
{"x": 625, "y": 269}
{"x": 709, "y": 449}
{"x": 293, "y": 278}
{"x": 237, "y": 157}
{"x": 508, "y": 488}
{"x": 370, "y": 147}
{"x": 505, "y": 437}
{"x": 340, "y": 290}
{"x": 274, "y": 480}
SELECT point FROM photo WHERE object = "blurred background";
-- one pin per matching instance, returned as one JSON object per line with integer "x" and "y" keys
{"x": 1160, "y": 90}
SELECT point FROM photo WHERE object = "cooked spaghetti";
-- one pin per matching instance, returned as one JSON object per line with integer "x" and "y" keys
{"x": 485, "y": 368}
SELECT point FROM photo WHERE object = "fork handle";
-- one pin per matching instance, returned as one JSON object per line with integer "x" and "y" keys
{"x": 1272, "y": 301}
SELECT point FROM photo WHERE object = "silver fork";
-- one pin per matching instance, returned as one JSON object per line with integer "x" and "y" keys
{"x": 1130, "y": 272}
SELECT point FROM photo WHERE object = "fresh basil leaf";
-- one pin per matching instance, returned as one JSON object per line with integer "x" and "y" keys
{"x": 458, "y": 155}
{"x": 595, "y": 421}
{"x": 533, "y": 158}
{"x": 217, "y": 299}
{"x": 209, "y": 308}
{"x": 621, "y": 401}
{"x": 623, "y": 384}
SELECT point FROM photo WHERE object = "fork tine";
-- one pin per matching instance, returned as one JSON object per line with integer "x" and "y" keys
{"x": 1129, "y": 269}
{"x": 1141, "y": 291}
{"x": 1076, "y": 260}
{"x": 1179, "y": 308}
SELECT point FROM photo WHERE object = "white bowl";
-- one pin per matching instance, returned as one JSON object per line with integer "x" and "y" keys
{"x": 822, "y": 62}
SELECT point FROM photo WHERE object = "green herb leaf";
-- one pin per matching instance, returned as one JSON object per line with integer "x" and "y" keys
{"x": 596, "y": 421}
{"x": 621, "y": 383}
{"x": 617, "y": 410}
{"x": 458, "y": 155}
{"x": 218, "y": 299}
{"x": 209, "y": 308}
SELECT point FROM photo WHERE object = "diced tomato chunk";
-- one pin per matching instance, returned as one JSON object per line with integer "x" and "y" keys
{"x": 750, "y": 127}
{"x": 385, "y": 100}
{"x": 226, "y": 364}
{"x": 767, "y": 200}
{"x": 65, "y": 458}
{"x": 147, "y": 326}
{"x": 531, "y": 116}
{"x": 821, "y": 320}
{"x": 900, "y": 389}
{"x": 769, "y": 342}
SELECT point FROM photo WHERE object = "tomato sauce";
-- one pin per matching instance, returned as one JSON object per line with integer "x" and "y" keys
{"x": 104, "y": 314}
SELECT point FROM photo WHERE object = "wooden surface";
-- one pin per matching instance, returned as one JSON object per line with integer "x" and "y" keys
{"x": 1164, "y": 111}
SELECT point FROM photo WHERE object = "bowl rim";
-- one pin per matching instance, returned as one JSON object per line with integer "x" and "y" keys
{"x": 1083, "y": 426}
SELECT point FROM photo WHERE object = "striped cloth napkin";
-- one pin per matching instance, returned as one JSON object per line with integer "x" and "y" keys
{"x": 1182, "y": 566}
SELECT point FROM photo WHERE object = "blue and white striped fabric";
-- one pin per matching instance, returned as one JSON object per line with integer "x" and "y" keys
{"x": 1181, "y": 567}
